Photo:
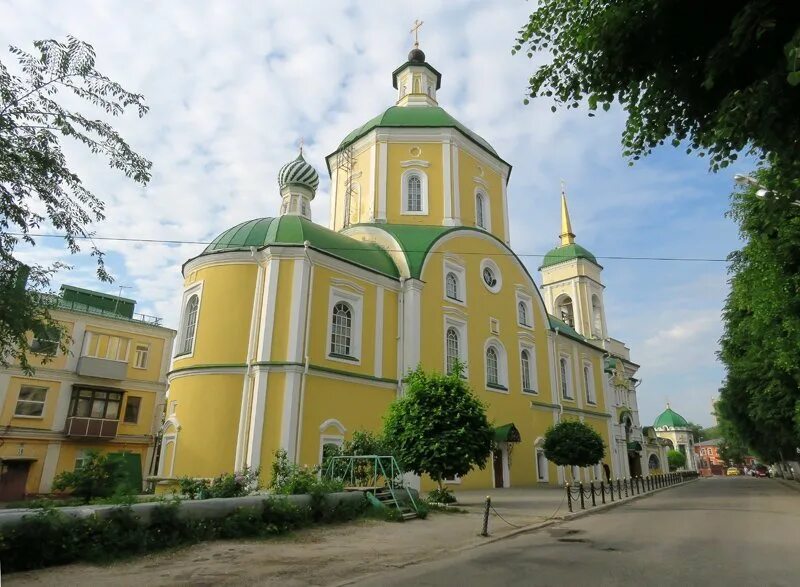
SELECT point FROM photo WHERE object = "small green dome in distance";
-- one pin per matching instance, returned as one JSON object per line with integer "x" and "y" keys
{"x": 568, "y": 252}
{"x": 298, "y": 172}
{"x": 670, "y": 419}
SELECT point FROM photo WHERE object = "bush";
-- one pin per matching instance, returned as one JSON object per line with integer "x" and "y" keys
{"x": 99, "y": 476}
{"x": 572, "y": 443}
{"x": 225, "y": 485}
{"x": 443, "y": 495}
{"x": 676, "y": 459}
{"x": 290, "y": 479}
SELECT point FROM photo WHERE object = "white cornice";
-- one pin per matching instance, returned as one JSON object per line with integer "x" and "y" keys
{"x": 415, "y": 163}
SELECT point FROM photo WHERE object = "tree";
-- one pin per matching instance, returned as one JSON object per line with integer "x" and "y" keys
{"x": 572, "y": 443}
{"x": 439, "y": 427}
{"x": 722, "y": 80}
{"x": 760, "y": 395}
{"x": 98, "y": 476}
{"x": 697, "y": 432}
{"x": 38, "y": 188}
{"x": 676, "y": 460}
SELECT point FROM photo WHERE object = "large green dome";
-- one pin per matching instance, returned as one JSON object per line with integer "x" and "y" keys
{"x": 567, "y": 253}
{"x": 415, "y": 117}
{"x": 670, "y": 419}
{"x": 291, "y": 230}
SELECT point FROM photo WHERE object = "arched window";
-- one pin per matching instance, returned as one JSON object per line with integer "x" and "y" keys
{"x": 492, "y": 367}
{"x": 565, "y": 310}
{"x": 588, "y": 384}
{"x": 525, "y": 359}
{"x": 190, "y": 323}
{"x": 479, "y": 211}
{"x": 565, "y": 387}
{"x": 452, "y": 349}
{"x": 522, "y": 312}
{"x": 452, "y": 286}
{"x": 653, "y": 463}
{"x": 341, "y": 333}
{"x": 414, "y": 193}
{"x": 597, "y": 317}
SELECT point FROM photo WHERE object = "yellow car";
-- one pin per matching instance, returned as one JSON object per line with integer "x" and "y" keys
{"x": 732, "y": 472}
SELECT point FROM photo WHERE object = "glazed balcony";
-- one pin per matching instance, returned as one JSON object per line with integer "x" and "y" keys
{"x": 79, "y": 427}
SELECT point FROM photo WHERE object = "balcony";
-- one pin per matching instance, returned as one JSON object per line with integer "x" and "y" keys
{"x": 104, "y": 368}
{"x": 79, "y": 427}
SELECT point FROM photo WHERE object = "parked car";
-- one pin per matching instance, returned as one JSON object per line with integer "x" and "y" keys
{"x": 762, "y": 471}
{"x": 732, "y": 472}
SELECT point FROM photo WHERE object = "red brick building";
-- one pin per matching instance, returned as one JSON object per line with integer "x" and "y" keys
{"x": 708, "y": 460}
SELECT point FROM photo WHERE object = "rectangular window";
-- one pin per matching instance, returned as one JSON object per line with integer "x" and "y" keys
{"x": 104, "y": 346}
{"x": 95, "y": 403}
{"x": 142, "y": 354}
{"x": 30, "y": 402}
{"x": 81, "y": 458}
{"x": 588, "y": 384}
{"x": 132, "y": 409}
{"x": 565, "y": 386}
{"x": 541, "y": 465}
{"x": 45, "y": 340}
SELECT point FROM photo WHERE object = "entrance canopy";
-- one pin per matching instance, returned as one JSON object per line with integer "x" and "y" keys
{"x": 507, "y": 433}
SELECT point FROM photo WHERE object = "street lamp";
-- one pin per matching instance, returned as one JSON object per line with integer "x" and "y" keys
{"x": 761, "y": 192}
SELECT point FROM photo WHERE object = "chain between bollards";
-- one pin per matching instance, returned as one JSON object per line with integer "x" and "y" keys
{"x": 485, "y": 531}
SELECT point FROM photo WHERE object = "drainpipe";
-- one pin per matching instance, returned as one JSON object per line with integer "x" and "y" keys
{"x": 299, "y": 425}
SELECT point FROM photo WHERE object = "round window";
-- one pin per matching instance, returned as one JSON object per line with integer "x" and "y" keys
{"x": 488, "y": 277}
{"x": 491, "y": 275}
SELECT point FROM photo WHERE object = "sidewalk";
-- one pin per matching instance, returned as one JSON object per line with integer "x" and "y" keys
{"x": 513, "y": 506}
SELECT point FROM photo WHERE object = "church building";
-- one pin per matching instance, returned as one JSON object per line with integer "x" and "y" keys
{"x": 294, "y": 335}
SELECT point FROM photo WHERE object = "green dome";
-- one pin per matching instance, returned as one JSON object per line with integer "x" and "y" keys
{"x": 415, "y": 117}
{"x": 298, "y": 172}
{"x": 670, "y": 419}
{"x": 293, "y": 230}
{"x": 567, "y": 253}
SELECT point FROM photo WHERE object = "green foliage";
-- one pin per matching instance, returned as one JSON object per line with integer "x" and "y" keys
{"x": 438, "y": 427}
{"x": 50, "y": 537}
{"x": 760, "y": 396}
{"x": 721, "y": 81}
{"x": 676, "y": 460}
{"x": 572, "y": 443}
{"x": 37, "y": 187}
{"x": 226, "y": 485}
{"x": 443, "y": 495}
{"x": 291, "y": 479}
{"x": 99, "y": 476}
{"x": 363, "y": 443}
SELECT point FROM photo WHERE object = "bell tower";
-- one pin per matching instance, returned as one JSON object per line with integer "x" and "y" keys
{"x": 572, "y": 285}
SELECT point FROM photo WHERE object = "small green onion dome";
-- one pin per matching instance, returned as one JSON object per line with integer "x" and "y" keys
{"x": 670, "y": 419}
{"x": 298, "y": 172}
{"x": 567, "y": 253}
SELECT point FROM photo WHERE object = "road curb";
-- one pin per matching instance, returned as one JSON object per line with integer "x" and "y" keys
{"x": 790, "y": 484}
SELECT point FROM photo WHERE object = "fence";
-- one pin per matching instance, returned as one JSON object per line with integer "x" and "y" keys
{"x": 578, "y": 493}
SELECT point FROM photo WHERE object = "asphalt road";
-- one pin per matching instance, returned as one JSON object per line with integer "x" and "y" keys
{"x": 721, "y": 531}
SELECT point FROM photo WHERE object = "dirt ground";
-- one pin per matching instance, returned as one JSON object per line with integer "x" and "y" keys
{"x": 323, "y": 555}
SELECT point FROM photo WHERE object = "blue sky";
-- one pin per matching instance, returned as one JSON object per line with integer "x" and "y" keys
{"x": 232, "y": 86}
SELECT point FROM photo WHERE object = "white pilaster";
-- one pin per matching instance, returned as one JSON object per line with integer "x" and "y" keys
{"x": 267, "y": 311}
{"x": 373, "y": 179}
{"x": 258, "y": 410}
{"x": 294, "y": 350}
{"x": 49, "y": 467}
{"x": 455, "y": 186}
{"x": 447, "y": 192}
{"x": 412, "y": 307}
{"x": 291, "y": 411}
{"x": 379, "y": 331}
{"x": 506, "y": 229}
{"x": 383, "y": 162}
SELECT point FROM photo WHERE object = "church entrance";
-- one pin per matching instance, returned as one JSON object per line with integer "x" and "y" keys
{"x": 497, "y": 465}
{"x": 634, "y": 464}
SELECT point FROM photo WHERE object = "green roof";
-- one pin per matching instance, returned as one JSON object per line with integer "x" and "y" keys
{"x": 295, "y": 231}
{"x": 506, "y": 433}
{"x": 416, "y": 117}
{"x": 564, "y": 328}
{"x": 670, "y": 419}
{"x": 567, "y": 253}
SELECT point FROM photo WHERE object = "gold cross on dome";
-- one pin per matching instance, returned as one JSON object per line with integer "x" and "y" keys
{"x": 415, "y": 31}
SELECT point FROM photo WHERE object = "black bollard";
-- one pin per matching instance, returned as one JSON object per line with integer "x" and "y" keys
{"x": 485, "y": 531}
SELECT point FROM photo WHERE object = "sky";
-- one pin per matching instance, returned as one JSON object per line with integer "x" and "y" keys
{"x": 232, "y": 86}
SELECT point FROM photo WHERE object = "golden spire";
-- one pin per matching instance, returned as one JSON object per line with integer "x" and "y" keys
{"x": 415, "y": 31}
{"x": 567, "y": 236}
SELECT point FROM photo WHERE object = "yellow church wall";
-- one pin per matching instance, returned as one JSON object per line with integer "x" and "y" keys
{"x": 396, "y": 154}
{"x": 271, "y": 435}
{"x": 390, "y": 333}
{"x": 207, "y": 409}
{"x": 282, "y": 310}
{"x": 223, "y": 323}
{"x": 365, "y": 185}
{"x": 357, "y": 406}
{"x": 468, "y": 170}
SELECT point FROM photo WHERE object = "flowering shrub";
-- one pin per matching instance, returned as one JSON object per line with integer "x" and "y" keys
{"x": 226, "y": 485}
{"x": 291, "y": 479}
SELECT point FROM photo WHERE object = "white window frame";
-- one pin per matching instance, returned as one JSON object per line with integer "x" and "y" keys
{"x": 488, "y": 263}
{"x": 404, "y": 192}
{"x": 487, "y": 209}
{"x": 565, "y": 378}
{"x": 461, "y": 328}
{"x": 527, "y": 302}
{"x": 588, "y": 381}
{"x": 27, "y": 401}
{"x": 195, "y": 289}
{"x": 80, "y": 457}
{"x": 460, "y": 273}
{"x": 146, "y": 354}
{"x": 502, "y": 366}
{"x": 530, "y": 349}
{"x": 356, "y": 303}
